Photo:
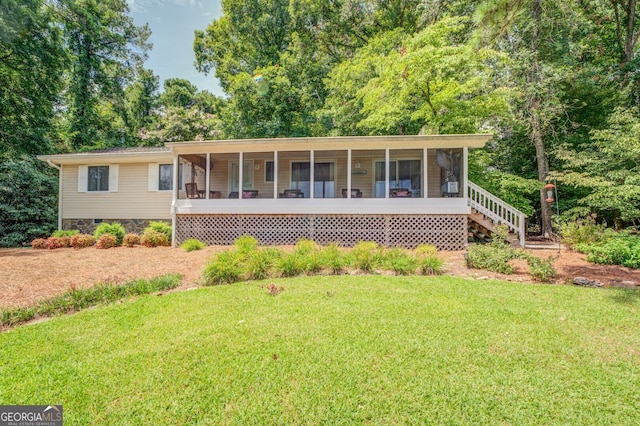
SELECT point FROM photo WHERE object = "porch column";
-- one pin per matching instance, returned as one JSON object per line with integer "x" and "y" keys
{"x": 174, "y": 196}
{"x": 207, "y": 176}
{"x": 465, "y": 171}
{"x": 425, "y": 173}
{"x": 275, "y": 174}
{"x": 241, "y": 172}
{"x": 312, "y": 176}
{"x": 348, "y": 173}
{"x": 386, "y": 173}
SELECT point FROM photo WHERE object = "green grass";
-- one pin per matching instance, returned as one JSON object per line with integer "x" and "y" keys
{"x": 338, "y": 350}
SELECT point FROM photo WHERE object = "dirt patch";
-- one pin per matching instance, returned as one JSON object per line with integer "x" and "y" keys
{"x": 27, "y": 275}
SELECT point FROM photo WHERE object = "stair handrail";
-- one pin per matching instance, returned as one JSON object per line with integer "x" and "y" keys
{"x": 497, "y": 210}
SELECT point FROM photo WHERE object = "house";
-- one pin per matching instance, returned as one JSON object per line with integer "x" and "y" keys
{"x": 395, "y": 190}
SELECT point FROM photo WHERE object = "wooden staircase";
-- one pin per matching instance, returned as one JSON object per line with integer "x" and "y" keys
{"x": 487, "y": 211}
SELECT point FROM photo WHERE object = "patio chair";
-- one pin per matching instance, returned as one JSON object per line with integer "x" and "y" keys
{"x": 249, "y": 193}
{"x": 355, "y": 193}
{"x": 400, "y": 193}
{"x": 292, "y": 193}
{"x": 192, "y": 190}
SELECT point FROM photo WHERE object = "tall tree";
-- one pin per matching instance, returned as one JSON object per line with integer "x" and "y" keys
{"x": 31, "y": 66}
{"x": 106, "y": 48}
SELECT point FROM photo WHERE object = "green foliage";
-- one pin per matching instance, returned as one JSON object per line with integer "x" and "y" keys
{"x": 225, "y": 268}
{"x": 65, "y": 233}
{"x": 585, "y": 231}
{"x": 400, "y": 261}
{"x": 494, "y": 256}
{"x": 291, "y": 264}
{"x": 333, "y": 259}
{"x": 151, "y": 238}
{"x": 131, "y": 240}
{"x": 192, "y": 244}
{"x": 116, "y": 229}
{"x": 621, "y": 249}
{"x": 82, "y": 241}
{"x": 107, "y": 241}
{"x": 246, "y": 244}
{"x": 162, "y": 227}
{"x": 365, "y": 256}
{"x": 28, "y": 200}
{"x": 541, "y": 269}
{"x": 259, "y": 263}
{"x": 426, "y": 250}
{"x": 76, "y": 299}
{"x": 431, "y": 265}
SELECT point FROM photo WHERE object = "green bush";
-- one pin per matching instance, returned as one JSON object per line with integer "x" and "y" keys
{"x": 245, "y": 244}
{"x": 584, "y": 232}
{"x": 308, "y": 256}
{"x": 431, "y": 265}
{"x": 541, "y": 269}
{"x": 259, "y": 263}
{"x": 68, "y": 233}
{"x": 400, "y": 262}
{"x": 225, "y": 268}
{"x": 426, "y": 250}
{"x": 151, "y": 238}
{"x": 82, "y": 241}
{"x": 291, "y": 264}
{"x": 622, "y": 249}
{"x": 116, "y": 229}
{"x": 162, "y": 227}
{"x": 366, "y": 256}
{"x": 107, "y": 241}
{"x": 192, "y": 244}
{"x": 494, "y": 256}
{"x": 332, "y": 258}
{"x": 131, "y": 240}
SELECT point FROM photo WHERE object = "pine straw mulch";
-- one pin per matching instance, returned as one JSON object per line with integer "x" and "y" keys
{"x": 28, "y": 275}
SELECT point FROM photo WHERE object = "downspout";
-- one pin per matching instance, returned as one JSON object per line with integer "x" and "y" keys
{"x": 59, "y": 168}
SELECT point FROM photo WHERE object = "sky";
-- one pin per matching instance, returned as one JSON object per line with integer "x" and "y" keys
{"x": 172, "y": 23}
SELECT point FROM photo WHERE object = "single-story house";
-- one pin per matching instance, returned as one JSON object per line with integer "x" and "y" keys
{"x": 395, "y": 190}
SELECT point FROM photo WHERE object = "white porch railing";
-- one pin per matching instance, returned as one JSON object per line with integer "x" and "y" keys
{"x": 497, "y": 210}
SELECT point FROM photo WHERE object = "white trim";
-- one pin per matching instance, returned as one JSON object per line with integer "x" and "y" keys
{"x": 312, "y": 174}
{"x": 275, "y": 175}
{"x": 348, "y": 173}
{"x": 425, "y": 173}
{"x": 324, "y": 206}
{"x": 207, "y": 177}
{"x": 83, "y": 178}
{"x": 60, "y": 192}
{"x": 174, "y": 197}
{"x": 153, "y": 177}
{"x": 114, "y": 171}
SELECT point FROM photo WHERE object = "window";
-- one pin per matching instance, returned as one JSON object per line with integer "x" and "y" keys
{"x": 98, "y": 178}
{"x": 268, "y": 167}
{"x": 405, "y": 174}
{"x": 165, "y": 177}
{"x": 323, "y": 176}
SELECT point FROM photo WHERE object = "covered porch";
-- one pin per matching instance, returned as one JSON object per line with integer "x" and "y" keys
{"x": 351, "y": 183}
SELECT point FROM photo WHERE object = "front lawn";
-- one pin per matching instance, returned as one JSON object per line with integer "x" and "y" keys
{"x": 338, "y": 350}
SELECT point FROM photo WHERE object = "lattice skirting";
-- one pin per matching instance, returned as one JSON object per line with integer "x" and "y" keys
{"x": 446, "y": 232}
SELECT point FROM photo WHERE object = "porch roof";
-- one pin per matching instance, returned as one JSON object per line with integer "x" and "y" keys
{"x": 331, "y": 143}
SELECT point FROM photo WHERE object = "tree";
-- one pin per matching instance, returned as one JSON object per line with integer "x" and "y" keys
{"x": 31, "y": 66}
{"x": 106, "y": 48}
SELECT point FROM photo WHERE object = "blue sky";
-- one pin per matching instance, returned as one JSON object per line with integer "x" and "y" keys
{"x": 172, "y": 24}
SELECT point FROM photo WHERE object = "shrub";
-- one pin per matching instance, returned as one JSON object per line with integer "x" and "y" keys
{"x": 225, "y": 268}
{"x": 584, "y": 232}
{"x": 192, "y": 244}
{"x": 366, "y": 256}
{"x": 68, "y": 233}
{"x": 622, "y": 249}
{"x": 431, "y": 265}
{"x": 541, "y": 269}
{"x": 332, "y": 259}
{"x": 426, "y": 250}
{"x": 115, "y": 229}
{"x": 291, "y": 264}
{"x": 39, "y": 243}
{"x": 400, "y": 262}
{"x": 154, "y": 239}
{"x": 82, "y": 241}
{"x": 107, "y": 241}
{"x": 494, "y": 256}
{"x": 56, "y": 242}
{"x": 162, "y": 227}
{"x": 131, "y": 240}
{"x": 246, "y": 244}
{"x": 304, "y": 246}
{"x": 260, "y": 262}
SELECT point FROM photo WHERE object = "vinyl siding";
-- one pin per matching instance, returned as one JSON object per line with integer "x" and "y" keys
{"x": 132, "y": 201}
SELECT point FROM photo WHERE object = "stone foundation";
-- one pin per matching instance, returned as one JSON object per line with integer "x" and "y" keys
{"x": 86, "y": 226}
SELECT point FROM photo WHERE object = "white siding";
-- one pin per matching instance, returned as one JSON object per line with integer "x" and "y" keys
{"x": 133, "y": 200}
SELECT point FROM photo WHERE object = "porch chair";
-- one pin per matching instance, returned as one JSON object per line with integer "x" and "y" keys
{"x": 355, "y": 193}
{"x": 192, "y": 190}
{"x": 292, "y": 193}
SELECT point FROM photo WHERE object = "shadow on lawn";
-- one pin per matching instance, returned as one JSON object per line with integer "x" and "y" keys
{"x": 625, "y": 296}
